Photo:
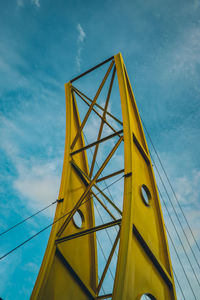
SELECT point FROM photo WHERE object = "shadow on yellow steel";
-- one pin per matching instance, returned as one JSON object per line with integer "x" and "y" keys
{"x": 55, "y": 280}
{"x": 69, "y": 270}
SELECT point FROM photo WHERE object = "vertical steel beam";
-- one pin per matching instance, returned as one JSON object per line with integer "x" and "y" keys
{"x": 69, "y": 268}
{"x": 141, "y": 262}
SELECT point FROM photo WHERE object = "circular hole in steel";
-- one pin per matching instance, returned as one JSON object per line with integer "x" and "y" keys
{"x": 146, "y": 195}
{"x": 78, "y": 219}
{"x": 147, "y": 297}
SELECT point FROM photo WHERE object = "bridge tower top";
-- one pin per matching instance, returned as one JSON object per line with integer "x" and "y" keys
{"x": 71, "y": 268}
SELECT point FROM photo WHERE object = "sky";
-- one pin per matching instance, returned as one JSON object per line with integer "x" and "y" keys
{"x": 44, "y": 44}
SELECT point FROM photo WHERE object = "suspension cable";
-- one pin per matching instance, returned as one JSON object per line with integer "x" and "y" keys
{"x": 48, "y": 226}
{"x": 103, "y": 199}
{"x": 26, "y": 219}
{"x": 105, "y": 257}
{"x": 176, "y": 251}
{"x": 174, "y": 224}
{"x": 178, "y": 282}
{"x": 190, "y": 229}
{"x": 104, "y": 181}
{"x": 96, "y": 162}
{"x": 106, "y": 186}
{"x": 105, "y": 228}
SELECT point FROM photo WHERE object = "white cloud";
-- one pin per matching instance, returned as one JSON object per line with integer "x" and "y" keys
{"x": 80, "y": 40}
{"x": 31, "y": 267}
{"x": 81, "y": 32}
{"x": 78, "y": 59}
{"x": 37, "y": 183}
{"x": 8, "y": 267}
{"x": 181, "y": 59}
{"x": 20, "y": 3}
{"x": 188, "y": 188}
{"x": 187, "y": 55}
{"x": 196, "y": 4}
{"x": 36, "y": 3}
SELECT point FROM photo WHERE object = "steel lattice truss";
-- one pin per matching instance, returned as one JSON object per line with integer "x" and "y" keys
{"x": 70, "y": 265}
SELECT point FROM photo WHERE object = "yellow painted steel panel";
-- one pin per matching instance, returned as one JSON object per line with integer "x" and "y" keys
{"x": 69, "y": 269}
{"x": 76, "y": 274}
{"x": 143, "y": 261}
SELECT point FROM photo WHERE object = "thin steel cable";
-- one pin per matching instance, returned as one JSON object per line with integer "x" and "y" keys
{"x": 100, "y": 214}
{"x": 178, "y": 284}
{"x": 190, "y": 229}
{"x": 101, "y": 176}
{"x": 173, "y": 222}
{"x": 105, "y": 257}
{"x": 104, "y": 181}
{"x": 177, "y": 252}
{"x": 96, "y": 162}
{"x": 26, "y": 219}
{"x": 102, "y": 285}
{"x": 105, "y": 229}
{"x": 48, "y": 226}
{"x": 103, "y": 199}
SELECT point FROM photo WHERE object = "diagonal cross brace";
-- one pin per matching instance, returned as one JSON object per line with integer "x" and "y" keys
{"x": 102, "y": 123}
{"x": 91, "y": 106}
{"x": 88, "y": 231}
{"x": 86, "y": 180}
{"x": 96, "y": 104}
{"x": 88, "y": 188}
{"x": 108, "y": 262}
{"x": 96, "y": 112}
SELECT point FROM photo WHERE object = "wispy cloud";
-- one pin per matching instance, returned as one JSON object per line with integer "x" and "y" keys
{"x": 196, "y": 4}
{"x": 180, "y": 59}
{"x": 7, "y": 268}
{"x": 36, "y": 3}
{"x": 191, "y": 191}
{"x": 20, "y": 3}
{"x": 37, "y": 183}
{"x": 80, "y": 40}
{"x": 187, "y": 54}
{"x": 81, "y": 32}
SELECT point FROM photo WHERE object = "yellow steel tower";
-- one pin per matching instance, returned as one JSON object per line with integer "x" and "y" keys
{"x": 69, "y": 269}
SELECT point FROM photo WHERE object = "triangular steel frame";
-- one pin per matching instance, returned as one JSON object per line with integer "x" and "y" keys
{"x": 143, "y": 265}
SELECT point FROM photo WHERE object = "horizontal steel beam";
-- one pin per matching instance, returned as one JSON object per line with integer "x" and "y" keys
{"x": 92, "y": 69}
{"x": 104, "y": 296}
{"x": 97, "y": 142}
{"x": 110, "y": 175}
{"x": 88, "y": 231}
{"x": 81, "y": 95}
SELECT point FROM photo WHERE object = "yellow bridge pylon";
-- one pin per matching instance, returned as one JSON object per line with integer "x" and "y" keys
{"x": 70, "y": 266}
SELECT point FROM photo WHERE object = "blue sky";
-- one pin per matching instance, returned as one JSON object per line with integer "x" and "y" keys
{"x": 44, "y": 44}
